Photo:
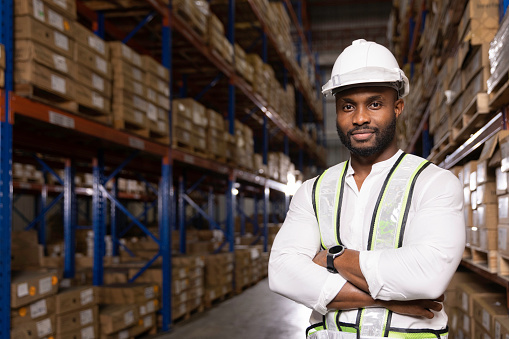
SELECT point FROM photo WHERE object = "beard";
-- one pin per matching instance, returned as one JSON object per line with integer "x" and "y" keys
{"x": 383, "y": 138}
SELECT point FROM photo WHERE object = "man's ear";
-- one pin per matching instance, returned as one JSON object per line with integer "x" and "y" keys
{"x": 399, "y": 105}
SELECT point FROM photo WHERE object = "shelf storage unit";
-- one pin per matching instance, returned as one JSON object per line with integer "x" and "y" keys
{"x": 454, "y": 114}
{"x": 65, "y": 141}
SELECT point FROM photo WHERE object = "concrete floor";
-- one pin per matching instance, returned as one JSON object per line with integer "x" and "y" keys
{"x": 256, "y": 313}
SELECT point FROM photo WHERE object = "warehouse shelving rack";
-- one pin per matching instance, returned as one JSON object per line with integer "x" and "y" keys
{"x": 158, "y": 159}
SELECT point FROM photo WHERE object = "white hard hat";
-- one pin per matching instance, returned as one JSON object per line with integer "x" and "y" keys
{"x": 366, "y": 63}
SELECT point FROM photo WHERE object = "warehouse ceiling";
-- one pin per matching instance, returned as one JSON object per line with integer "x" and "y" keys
{"x": 334, "y": 24}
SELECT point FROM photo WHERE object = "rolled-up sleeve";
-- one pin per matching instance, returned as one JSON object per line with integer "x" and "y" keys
{"x": 432, "y": 248}
{"x": 292, "y": 272}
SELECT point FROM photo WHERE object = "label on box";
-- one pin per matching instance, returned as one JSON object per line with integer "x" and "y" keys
{"x": 126, "y": 52}
{"x": 123, "y": 334}
{"x": 60, "y": 63}
{"x": 88, "y": 332}
{"x": 151, "y": 94}
{"x": 497, "y": 329}
{"x": 22, "y": 290}
{"x": 57, "y": 83}
{"x": 38, "y": 309}
{"x": 61, "y": 3}
{"x": 161, "y": 125}
{"x": 147, "y": 321}
{"x": 138, "y": 117}
{"x": 150, "y": 293}
{"x": 61, "y": 120}
{"x": 137, "y": 74}
{"x": 136, "y": 143}
{"x": 139, "y": 103}
{"x": 161, "y": 70}
{"x": 44, "y": 327}
{"x": 136, "y": 59}
{"x": 466, "y": 323}
{"x": 38, "y": 10}
{"x": 503, "y": 207}
{"x": 152, "y": 112}
{"x": 61, "y": 40}
{"x": 128, "y": 318}
{"x": 101, "y": 64}
{"x": 55, "y": 20}
{"x": 97, "y": 44}
{"x": 502, "y": 239}
{"x": 45, "y": 285}
{"x": 97, "y": 82}
{"x": 86, "y": 317}
{"x": 151, "y": 306}
{"x": 143, "y": 310}
{"x": 87, "y": 296}
{"x": 97, "y": 100}
{"x": 464, "y": 301}
{"x": 486, "y": 319}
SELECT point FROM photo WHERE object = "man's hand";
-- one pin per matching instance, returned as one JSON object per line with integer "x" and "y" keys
{"x": 415, "y": 308}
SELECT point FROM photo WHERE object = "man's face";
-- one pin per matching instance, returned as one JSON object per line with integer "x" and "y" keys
{"x": 366, "y": 119}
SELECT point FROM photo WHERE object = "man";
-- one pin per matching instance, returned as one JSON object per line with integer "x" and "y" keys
{"x": 372, "y": 243}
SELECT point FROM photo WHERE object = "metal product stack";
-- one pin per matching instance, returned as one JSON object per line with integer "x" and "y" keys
{"x": 156, "y": 81}
{"x": 129, "y": 92}
{"x": 44, "y": 50}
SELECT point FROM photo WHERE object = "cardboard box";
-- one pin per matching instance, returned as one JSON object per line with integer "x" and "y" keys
{"x": 502, "y": 239}
{"x": 24, "y": 249}
{"x": 86, "y": 37}
{"x": 74, "y": 320}
{"x": 40, "y": 10}
{"x": 127, "y": 83}
{"x": 487, "y": 216}
{"x": 122, "y": 97}
{"x": 145, "y": 323}
{"x": 87, "y": 332}
{"x": 27, "y": 50}
{"x": 27, "y": 287}
{"x": 29, "y": 28}
{"x": 114, "y": 318}
{"x": 75, "y": 298}
{"x": 152, "y": 81}
{"x": 120, "y": 51}
{"x": 488, "y": 239}
{"x": 65, "y": 7}
{"x": 486, "y": 193}
{"x": 465, "y": 324}
{"x": 128, "y": 293}
{"x": 487, "y": 308}
{"x": 467, "y": 170}
{"x": 92, "y": 99}
{"x": 132, "y": 116}
{"x": 150, "y": 65}
{"x": 122, "y": 67}
{"x": 2, "y": 56}
{"x": 35, "y": 329}
{"x": 501, "y": 181}
{"x": 502, "y": 327}
{"x": 468, "y": 290}
{"x": 34, "y": 311}
{"x": 480, "y": 16}
{"x": 503, "y": 209}
{"x": 45, "y": 78}
{"x": 93, "y": 81}
{"x": 93, "y": 61}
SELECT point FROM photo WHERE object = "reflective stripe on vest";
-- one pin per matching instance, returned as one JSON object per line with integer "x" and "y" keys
{"x": 387, "y": 225}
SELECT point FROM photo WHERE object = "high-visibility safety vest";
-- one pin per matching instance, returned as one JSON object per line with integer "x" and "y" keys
{"x": 386, "y": 232}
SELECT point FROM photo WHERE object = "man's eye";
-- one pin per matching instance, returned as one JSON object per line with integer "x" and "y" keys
{"x": 376, "y": 105}
{"x": 348, "y": 107}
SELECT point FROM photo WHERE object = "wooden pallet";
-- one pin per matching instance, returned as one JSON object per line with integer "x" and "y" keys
{"x": 187, "y": 17}
{"x": 44, "y": 96}
{"x": 503, "y": 266}
{"x": 499, "y": 96}
{"x": 474, "y": 116}
{"x": 189, "y": 313}
{"x": 485, "y": 260}
{"x": 125, "y": 126}
{"x": 182, "y": 146}
{"x": 442, "y": 147}
{"x": 210, "y": 302}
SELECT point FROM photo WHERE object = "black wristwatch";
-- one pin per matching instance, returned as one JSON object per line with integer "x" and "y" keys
{"x": 332, "y": 254}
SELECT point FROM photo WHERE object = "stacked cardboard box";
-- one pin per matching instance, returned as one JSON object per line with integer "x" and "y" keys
{"x": 33, "y": 304}
{"x": 189, "y": 124}
{"x": 260, "y": 78}
{"x": 242, "y": 67}
{"x": 124, "y": 305}
{"x": 216, "y": 143}
{"x": 280, "y": 26}
{"x": 24, "y": 250}
{"x": 244, "y": 145}
{"x": 129, "y": 92}
{"x": 156, "y": 80}
{"x": 218, "y": 276}
{"x": 2, "y": 66}
{"x": 77, "y": 313}
{"x": 93, "y": 74}
{"x": 187, "y": 286}
{"x": 217, "y": 40}
{"x": 258, "y": 166}
{"x": 44, "y": 49}
{"x": 243, "y": 273}
{"x": 279, "y": 165}
{"x": 26, "y": 173}
{"x": 194, "y": 12}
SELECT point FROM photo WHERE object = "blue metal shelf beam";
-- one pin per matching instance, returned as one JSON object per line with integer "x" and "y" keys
{"x": 69, "y": 221}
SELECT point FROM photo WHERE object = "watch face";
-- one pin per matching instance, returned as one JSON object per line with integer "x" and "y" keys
{"x": 335, "y": 249}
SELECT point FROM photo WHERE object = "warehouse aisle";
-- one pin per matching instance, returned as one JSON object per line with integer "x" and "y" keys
{"x": 256, "y": 313}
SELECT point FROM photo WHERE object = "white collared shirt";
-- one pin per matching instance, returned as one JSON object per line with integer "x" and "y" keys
{"x": 433, "y": 245}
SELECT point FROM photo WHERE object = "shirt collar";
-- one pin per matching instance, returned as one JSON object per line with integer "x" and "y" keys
{"x": 379, "y": 166}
